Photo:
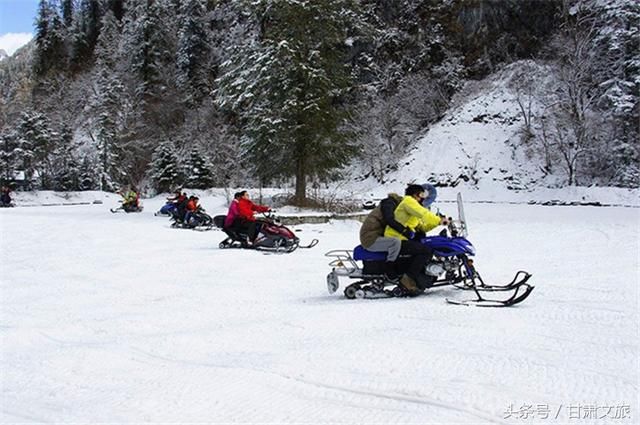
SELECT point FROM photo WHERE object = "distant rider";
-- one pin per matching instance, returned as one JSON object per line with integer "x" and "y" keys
{"x": 191, "y": 207}
{"x": 170, "y": 207}
{"x": 181, "y": 207}
{"x": 176, "y": 197}
{"x": 5, "y": 197}
{"x": 246, "y": 219}
{"x": 130, "y": 200}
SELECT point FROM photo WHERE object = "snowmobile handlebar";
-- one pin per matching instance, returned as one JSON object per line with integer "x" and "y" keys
{"x": 444, "y": 220}
{"x": 270, "y": 215}
{"x": 456, "y": 228}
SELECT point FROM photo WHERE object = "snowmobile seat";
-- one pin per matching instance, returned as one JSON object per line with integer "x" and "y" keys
{"x": 218, "y": 221}
{"x": 374, "y": 262}
{"x": 361, "y": 254}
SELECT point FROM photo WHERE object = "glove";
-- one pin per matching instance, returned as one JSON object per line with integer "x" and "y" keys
{"x": 408, "y": 233}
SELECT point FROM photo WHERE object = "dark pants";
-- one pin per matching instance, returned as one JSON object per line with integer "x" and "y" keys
{"x": 247, "y": 227}
{"x": 130, "y": 206}
{"x": 420, "y": 255}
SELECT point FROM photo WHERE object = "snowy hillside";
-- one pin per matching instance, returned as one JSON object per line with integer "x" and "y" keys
{"x": 117, "y": 318}
{"x": 476, "y": 148}
{"x": 476, "y": 143}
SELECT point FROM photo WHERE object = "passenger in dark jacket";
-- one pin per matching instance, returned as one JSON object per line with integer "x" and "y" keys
{"x": 372, "y": 232}
{"x": 5, "y": 197}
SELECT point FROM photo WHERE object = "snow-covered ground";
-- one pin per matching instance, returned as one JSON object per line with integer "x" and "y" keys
{"x": 118, "y": 318}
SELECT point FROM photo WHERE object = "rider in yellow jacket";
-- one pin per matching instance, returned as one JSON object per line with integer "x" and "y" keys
{"x": 130, "y": 199}
{"x": 411, "y": 214}
{"x": 415, "y": 218}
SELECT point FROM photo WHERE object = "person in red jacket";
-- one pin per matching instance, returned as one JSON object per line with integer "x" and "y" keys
{"x": 191, "y": 207}
{"x": 246, "y": 219}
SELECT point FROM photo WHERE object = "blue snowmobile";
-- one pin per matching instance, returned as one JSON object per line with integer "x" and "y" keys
{"x": 451, "y": 265}
{"x": 167, "y": 210}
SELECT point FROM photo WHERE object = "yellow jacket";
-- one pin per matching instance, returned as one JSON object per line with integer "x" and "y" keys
{"x": 413, "y": 216}
{"x": 130, "y": 197}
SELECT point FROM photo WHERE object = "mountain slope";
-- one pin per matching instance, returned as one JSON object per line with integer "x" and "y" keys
{"x": 478, "y": 148}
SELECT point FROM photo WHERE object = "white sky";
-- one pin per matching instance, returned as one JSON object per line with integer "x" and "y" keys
{"x": 11, "y": 42}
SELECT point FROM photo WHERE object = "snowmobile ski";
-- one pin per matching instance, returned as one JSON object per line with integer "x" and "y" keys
{"x": 313, "y": 243}
{"x": 176, "y": 225}
{"x": 520, "y": 293}
{"x": 122, "y": 209}
{"x": 520, "y": 278}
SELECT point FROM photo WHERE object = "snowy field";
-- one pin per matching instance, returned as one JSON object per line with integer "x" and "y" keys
{"x": 117, "y": 318}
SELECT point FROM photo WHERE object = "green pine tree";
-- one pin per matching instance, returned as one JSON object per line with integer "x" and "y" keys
{"x": 165, "y": 170}
{"x": 66, "y": 173}
{"x": 50, "y": 54}
{"x": 87, "y": 175}
{"x": 289, "y": 88}
{"x": 37, "y": 142}
{"x": 198, "y": 171}
{"x": 192, "y": 52}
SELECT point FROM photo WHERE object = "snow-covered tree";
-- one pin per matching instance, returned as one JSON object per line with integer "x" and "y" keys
{"x": 572, "y": 127}
{"x": 288, "y": 89}
{"x": 617, "y": 42}
{"x": 109, "y": 150}
{"x": 109, "y": 107}
{"x": 66, "y": 168}
{"x": 67, "y": 11}
{"x": 10, "y": 156}
{"x": 50, "y": 52}
{"x": 86, "y": 32}
{"x": 87, "y": 174}
{"x": 37, "y": 142}
{"x": 193, "y": 51}
{"x": 590, "y": 99}
{"x": 165, "y": 171}
{"x": 224, "y": 151}
{"x": 151, "y": 47}
{"x": 107, "y": 47}
{"x": 197, "y": 171}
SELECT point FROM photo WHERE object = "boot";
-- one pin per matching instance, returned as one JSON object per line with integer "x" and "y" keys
{"x": 425, "y": 281}
{"x": 409, "y": 285}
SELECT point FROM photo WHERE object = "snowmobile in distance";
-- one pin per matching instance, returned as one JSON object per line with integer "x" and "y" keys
{"x": 451, "y": 265}
{"x": 272, "y": 236}
{"x": 128, "y": 208}
{"x": 198, "y": 220}
{"x": 167, "y": 210}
